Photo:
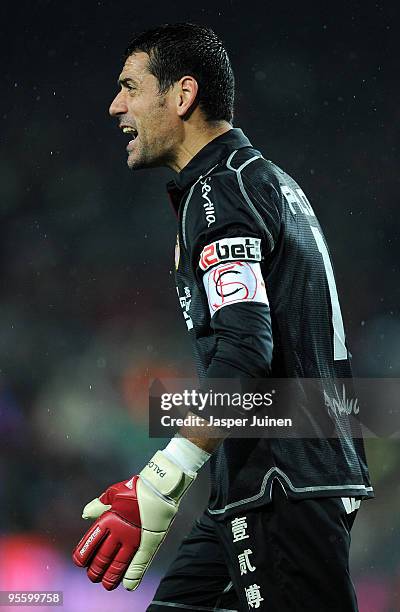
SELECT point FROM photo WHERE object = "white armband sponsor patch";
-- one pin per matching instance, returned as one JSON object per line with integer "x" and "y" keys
{"x": 236, "y": 281}
{"x": 239, "y": 248}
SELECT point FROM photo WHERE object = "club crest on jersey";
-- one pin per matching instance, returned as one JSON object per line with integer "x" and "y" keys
{"x": 230, "y": 249}
{"x": 208, "y": 204}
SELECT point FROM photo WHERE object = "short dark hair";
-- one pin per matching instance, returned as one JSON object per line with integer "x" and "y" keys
{"x": 180, "y": 49}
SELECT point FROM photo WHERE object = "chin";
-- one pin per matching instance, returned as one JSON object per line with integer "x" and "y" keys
{"x": 134, "y": 164}
{"x": 140, "y": 164}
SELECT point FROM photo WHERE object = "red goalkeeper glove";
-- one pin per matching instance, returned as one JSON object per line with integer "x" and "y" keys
{"x": 133, "y": 518}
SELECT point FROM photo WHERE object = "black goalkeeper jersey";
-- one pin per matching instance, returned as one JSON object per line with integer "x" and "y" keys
{"x": 257, "y": 290}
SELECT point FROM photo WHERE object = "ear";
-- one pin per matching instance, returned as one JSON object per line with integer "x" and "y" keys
{"x": 187, "y": 93}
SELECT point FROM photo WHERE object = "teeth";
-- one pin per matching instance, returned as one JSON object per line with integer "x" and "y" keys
{"x": 129, "y": 130}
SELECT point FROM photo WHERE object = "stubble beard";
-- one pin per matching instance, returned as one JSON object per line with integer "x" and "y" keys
{"x": 160, "y": 153}
{"x": 161, "y": 158}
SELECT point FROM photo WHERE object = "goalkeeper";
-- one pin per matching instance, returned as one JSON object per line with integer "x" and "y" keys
{"x": 257, "y": 290}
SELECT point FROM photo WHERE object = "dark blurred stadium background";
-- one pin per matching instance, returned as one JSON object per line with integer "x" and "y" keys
{"x": 88, "y": 307}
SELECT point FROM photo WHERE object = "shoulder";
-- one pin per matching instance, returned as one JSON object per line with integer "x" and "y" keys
{"x": 230, "y": 190}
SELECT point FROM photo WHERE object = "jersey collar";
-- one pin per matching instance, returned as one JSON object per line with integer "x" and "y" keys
{"x": 206, "y": 158}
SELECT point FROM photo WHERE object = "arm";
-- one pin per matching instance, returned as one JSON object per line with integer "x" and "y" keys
{"x": 133, "y": 517}
{"x": 226, "y": 261}
{"x": 243, "y": 351}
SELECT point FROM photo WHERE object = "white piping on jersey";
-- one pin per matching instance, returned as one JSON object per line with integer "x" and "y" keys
{"x": 246, "y": 163}
{"x": 245, "y": 194}
{"x": 171, "y": 604}
{"x": 226, "y": 590}
{"x": 291, "y": 486}
{"x": 187, "y": 202}
{"x": 238, "y": 172}
{"x": 228, "y": 587}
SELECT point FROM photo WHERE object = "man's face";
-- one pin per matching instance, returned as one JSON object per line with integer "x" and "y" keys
{"x": 152, "y": 116}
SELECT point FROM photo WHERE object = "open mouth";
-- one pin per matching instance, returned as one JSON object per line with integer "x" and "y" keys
{"x": 132, "y": 133}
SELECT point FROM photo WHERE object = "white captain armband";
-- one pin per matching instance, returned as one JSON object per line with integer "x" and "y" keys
{"x": 233, "y": 282}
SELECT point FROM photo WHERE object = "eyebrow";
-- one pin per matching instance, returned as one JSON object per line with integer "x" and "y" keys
{"x": 126, "y": 81}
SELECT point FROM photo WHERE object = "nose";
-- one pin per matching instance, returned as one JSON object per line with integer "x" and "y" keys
{"x": 118, "y": 105}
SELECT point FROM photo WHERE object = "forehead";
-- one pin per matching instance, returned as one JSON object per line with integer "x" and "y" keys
{"x": 135, "y": 67}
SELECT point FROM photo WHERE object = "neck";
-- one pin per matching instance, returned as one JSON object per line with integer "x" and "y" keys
{"x": 194, "y": 141}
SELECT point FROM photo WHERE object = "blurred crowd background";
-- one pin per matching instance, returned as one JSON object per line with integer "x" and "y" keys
{"x": 88, "y": 308}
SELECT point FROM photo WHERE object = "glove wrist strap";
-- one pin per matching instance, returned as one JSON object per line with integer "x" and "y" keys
{"x": 189, "y": 457}
{"x": 166, "y": 477}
